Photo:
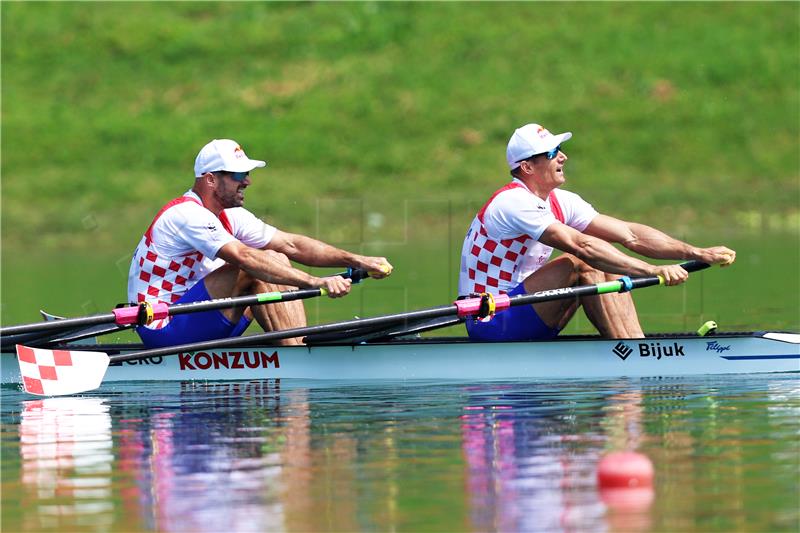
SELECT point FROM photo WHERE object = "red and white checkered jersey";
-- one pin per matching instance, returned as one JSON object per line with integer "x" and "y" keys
{"x": 180, "y": 248}
{"x": 502, "y": 245}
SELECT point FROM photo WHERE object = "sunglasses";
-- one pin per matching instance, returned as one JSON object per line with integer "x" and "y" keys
{"x": 553, "y": 153}
{"x": 550, "y": 155}
{"x": 237, "y": 176}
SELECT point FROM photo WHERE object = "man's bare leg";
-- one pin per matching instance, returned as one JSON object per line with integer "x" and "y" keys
{"x": 614, "y": 315}
{"x": 229, "y": 281}
{"x": 279, "y": 316}
{"x": 559, "y": 272}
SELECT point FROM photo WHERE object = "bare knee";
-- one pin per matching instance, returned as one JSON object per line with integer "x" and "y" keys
{"x": 575, "y": 270}
{"x": 585, "y": 274}
{"x": 248, "y": 284}
{"x": 258, "y": 285}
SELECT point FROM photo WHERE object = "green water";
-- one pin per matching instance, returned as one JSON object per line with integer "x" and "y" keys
{"x": 388, "y": 456}
{"x": 761, "y": 291}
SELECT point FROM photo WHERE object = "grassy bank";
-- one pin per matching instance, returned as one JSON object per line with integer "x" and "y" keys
{"x": 683, "y": 113}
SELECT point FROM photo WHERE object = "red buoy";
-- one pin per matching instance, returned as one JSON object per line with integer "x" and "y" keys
{"x": 625, "y": 470}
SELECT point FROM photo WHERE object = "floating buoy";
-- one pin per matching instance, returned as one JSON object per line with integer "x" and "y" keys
{"x": 628, "y": 500}
{"x": 625, "y": 470}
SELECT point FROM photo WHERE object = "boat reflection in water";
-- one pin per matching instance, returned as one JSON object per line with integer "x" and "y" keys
{"x": 532, "y": 464}
{"x": 311, "y": 456}
{"x": 67, "y": 462}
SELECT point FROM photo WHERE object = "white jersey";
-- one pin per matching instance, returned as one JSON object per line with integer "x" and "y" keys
{"x": 180, "y": 248}
{"x": 502, "y": 245}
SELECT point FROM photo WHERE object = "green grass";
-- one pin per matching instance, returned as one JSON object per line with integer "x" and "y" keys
{"x": 680, "y": 111}
{"x": 684, "y": 115}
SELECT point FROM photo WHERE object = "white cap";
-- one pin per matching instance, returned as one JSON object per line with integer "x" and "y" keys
{"x": 531, "y": 139}
{"x": 224, "y": 154}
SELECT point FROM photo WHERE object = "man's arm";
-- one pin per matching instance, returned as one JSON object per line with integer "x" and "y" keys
{"x": 312, "y": 252}
{"x": 260, "y": 265}
{"x": 603, "y": 256}
{"x": 651, "y": 242}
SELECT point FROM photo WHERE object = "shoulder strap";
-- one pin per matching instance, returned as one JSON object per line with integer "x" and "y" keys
{"x": 555, "y": 207}
{"x": 148, "y": 235}
{"x": 226, "y": 222}
{"x": 506, "y": 187}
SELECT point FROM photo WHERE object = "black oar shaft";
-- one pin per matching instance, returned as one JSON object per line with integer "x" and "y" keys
{"x": 45, "y": 330}
{"x": 244, "y": 301}
{"x": 286, "y": 334}
{"x": 179, "y": 309}
{"x": 58, "y": 325}
{"x": 355, "y": 275}
{"x": 435, "y": 312}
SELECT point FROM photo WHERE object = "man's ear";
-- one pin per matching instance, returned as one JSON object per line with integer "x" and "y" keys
{"x": 526, "y": 166}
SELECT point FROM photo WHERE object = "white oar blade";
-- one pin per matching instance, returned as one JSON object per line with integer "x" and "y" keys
{"x": 60, "y": 372}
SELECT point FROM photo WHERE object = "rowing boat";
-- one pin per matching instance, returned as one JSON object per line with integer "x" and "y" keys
{"x": 455, "y": 358}
{"x": 383, "y": 347}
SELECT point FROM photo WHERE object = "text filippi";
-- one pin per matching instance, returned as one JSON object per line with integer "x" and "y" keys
{"x": 716, "y": 347}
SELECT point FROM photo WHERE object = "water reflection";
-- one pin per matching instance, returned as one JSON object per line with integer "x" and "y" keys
{"x": 200, "y": 460}
{"x": 66, "y": 450}
{"x": 531, "y": 461}
{"x": 297, "y": 456}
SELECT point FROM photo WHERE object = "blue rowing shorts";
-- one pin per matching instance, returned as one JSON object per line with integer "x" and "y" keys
{"x": 193, "y": 327}
{"x": 518, "y": 323}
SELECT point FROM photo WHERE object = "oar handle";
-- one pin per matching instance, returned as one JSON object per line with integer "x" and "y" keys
{"x": 356, "y": 275}
{"x": 694, "y": 265}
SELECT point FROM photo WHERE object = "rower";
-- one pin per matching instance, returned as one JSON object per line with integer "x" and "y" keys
{"x": 204, "y": 245}
{"x": 508, "y": 246}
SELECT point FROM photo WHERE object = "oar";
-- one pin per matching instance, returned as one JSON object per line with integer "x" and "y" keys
{"x": 145, "y": 313}
{"x": 49, "y": 338}
{"x": 70, "y": 379}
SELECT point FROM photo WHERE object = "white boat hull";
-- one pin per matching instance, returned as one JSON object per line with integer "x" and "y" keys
{"x": 433, "y": 359}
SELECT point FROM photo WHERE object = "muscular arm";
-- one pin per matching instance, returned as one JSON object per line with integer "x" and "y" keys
{"x": 595, "y": 251}
{"x": 312, "y": 252}
{"x": 651, "y": 242}
{"x": 261, "y": 265}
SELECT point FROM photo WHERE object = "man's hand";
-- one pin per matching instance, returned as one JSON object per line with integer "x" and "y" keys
{"x": 378, "y": 267}
{"x": 336, "y": 286}
{"x": 672, "y": 274}
{"x": 716, "y": 255}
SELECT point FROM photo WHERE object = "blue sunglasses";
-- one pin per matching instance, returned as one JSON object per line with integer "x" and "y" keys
{"x": 550, "y": 155}
{"x": 553, "y": 153}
